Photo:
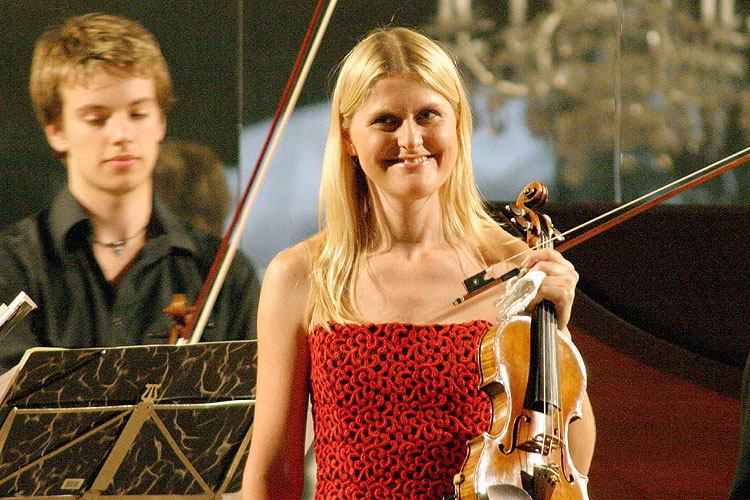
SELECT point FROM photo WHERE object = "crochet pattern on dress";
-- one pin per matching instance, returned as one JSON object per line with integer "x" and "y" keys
{"x": 394, "y": 406}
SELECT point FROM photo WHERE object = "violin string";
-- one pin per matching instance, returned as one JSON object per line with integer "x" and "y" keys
{"x": 547, "y": 325}
{"x": 237, "y": 234}
{"x": 684, "y": 183}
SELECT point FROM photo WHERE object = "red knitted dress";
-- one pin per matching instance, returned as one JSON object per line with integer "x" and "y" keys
{"x": 394, "y": 405}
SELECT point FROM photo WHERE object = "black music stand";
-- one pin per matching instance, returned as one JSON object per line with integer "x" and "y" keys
{"x": 157, "y": 421}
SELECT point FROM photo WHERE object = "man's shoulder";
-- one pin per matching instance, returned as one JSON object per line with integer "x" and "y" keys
{"x": 25, "y": 234}
{"x": 24, "y": 254}
{"x": 207, "y": 247}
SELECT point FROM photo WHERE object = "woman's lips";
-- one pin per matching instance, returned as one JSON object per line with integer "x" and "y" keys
{"x": 411, "y": 162}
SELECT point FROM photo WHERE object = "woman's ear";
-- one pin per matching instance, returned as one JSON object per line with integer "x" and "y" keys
{"x": 348, "y": 146}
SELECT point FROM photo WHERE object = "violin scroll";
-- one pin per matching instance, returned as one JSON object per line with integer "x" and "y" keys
{"x": 180, "y": 312}
{"x": 536, "y": 228}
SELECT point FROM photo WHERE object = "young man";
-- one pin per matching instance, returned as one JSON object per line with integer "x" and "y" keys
{"x": 105, "y": 259}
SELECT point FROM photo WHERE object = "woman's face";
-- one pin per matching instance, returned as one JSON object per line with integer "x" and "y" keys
{"x": 405, "y": 138}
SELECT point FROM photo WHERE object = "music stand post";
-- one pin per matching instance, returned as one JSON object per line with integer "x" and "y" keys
{"x": 143, "y": 422}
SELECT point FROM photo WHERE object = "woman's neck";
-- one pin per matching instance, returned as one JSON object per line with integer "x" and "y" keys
{"x": 411, "y": 225}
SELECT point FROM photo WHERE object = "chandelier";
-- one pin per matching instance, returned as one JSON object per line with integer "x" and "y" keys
{"x": 630, "y": 91}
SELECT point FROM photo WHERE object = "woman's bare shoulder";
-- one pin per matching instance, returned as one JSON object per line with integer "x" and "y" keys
{"x": 501, "y": 246}
{"x": 294, "y": 262}
{"x": 285, "y": 293}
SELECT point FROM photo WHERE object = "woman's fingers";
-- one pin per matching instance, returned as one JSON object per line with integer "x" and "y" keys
{"x": 559, "y": 285}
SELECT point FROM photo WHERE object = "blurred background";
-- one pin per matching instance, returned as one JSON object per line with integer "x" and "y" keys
{"x": 602, "y": 100}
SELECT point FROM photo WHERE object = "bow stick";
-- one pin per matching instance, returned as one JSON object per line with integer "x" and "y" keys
{"x": 217, "y": 273}
{"x": 479, "y": 282}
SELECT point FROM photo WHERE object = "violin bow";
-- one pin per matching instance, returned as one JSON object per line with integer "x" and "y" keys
{"x": 211, "y": 287}
{"x": 479, "y": 282}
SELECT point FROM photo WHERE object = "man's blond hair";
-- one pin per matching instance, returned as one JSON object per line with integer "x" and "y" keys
{"x": 86, "y": 44}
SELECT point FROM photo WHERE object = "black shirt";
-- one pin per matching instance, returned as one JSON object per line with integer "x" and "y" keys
{"x": 49, "y": 257}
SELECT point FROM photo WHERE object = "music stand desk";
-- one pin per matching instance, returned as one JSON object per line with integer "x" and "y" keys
{"x": 142, "y": 422}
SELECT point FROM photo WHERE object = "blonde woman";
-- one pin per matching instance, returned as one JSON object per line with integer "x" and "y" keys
{"x": 360, "y": 316}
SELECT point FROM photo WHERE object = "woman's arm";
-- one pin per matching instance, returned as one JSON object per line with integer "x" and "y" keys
{"x": 582, "y": 438}
{"x": 275, "y": 465}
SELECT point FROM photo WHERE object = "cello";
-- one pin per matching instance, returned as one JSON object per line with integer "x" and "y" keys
{"x": 536, "y": 381}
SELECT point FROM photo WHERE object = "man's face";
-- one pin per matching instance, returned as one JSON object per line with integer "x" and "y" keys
{"x": 110, "y": 129}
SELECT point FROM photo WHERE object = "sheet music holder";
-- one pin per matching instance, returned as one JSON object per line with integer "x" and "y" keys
{"x": 11, "y": 314}
{"x": 141, "y": 422}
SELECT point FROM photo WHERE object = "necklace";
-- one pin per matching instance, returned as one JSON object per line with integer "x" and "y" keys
{"x": 119, "y": 245}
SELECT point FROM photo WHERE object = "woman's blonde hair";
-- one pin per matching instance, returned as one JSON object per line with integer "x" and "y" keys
{"x": 349, "y": 225}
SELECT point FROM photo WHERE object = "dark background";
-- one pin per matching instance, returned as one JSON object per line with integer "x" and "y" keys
{"x": 208, "y": 44}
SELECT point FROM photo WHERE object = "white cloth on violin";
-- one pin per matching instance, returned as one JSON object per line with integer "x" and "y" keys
{"x": 519, "y": 292}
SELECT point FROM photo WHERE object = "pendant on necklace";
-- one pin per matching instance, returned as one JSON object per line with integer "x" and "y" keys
{"x": 119, "y": 245}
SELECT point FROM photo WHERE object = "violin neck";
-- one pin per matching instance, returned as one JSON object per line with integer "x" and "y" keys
{"x": 543, "y": 389}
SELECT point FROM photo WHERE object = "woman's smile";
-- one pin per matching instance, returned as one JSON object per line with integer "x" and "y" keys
{"x": 410, "y": 162}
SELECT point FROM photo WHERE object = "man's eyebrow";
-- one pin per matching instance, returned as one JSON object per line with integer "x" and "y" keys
{"x": 144, "y": 100}
{"x": 101, "y": 107}
{"x": 87, "y": 108}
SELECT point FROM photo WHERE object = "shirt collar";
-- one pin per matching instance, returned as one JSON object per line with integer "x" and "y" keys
{"x": 174, "y": 228}
{"x": 69, "y": 222}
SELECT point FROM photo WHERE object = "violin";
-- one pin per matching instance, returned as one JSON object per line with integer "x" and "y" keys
{"x": 181, "y": 313}
{"x": 536, "y": 381}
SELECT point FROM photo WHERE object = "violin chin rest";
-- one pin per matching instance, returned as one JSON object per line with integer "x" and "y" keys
{"x": 506, "y": 492}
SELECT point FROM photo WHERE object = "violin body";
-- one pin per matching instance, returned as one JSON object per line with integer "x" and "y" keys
{"x": 500, "y": 463}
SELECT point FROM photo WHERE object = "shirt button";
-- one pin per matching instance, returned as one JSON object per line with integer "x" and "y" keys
{"x": 117, "y": 320}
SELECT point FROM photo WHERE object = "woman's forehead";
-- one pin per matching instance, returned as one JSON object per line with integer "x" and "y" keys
{"x": 401, "y": 92}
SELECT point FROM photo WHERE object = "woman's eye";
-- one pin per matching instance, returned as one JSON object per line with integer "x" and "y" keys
{"x": 384, "y": 119}
{"x": 427, "y": 114}
{"x": 385, "y": 122}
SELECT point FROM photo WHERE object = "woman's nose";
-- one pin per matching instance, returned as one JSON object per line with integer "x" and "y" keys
{"x": 410, "y": 135}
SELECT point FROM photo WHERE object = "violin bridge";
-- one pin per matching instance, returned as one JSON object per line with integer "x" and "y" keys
{"x": 539, "y": 434}
{"x": 543, "y": 444}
